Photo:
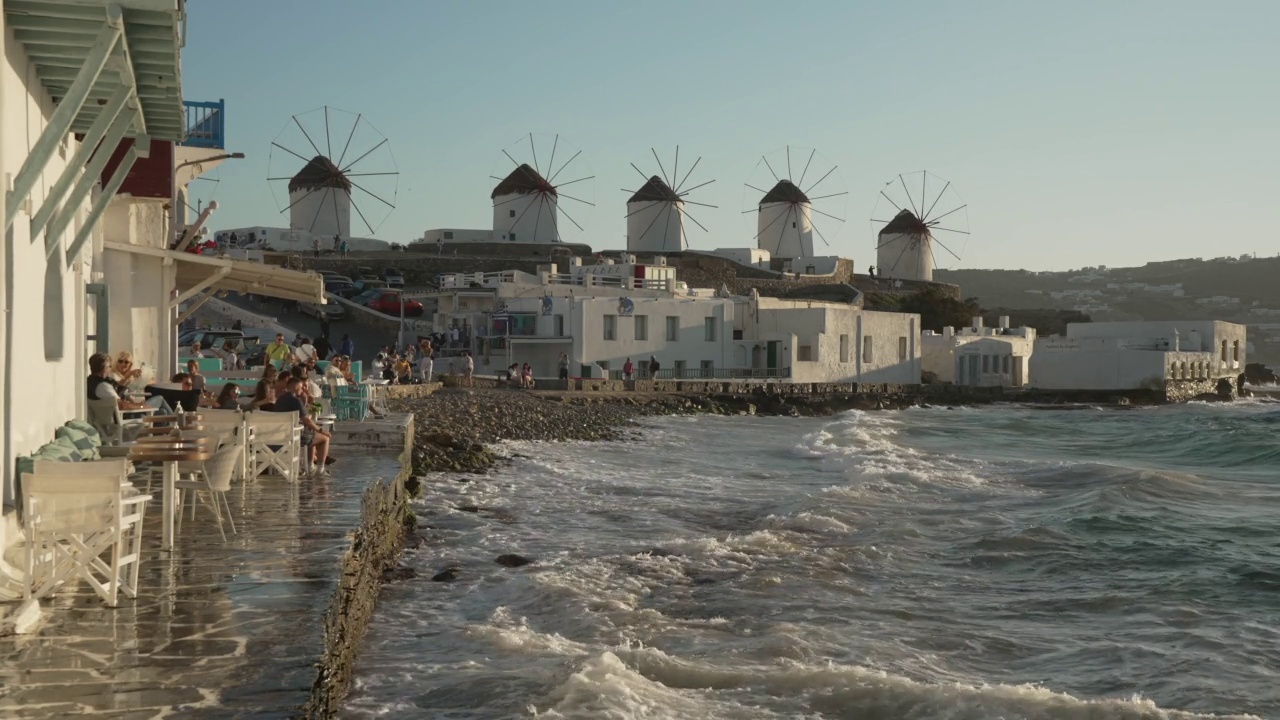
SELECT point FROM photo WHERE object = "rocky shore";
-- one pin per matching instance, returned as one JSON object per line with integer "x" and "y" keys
{"x": 455, "y": 426}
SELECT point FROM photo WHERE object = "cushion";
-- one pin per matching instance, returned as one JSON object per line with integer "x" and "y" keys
{"x": 87, "y": 429}
{"x": 54, "y": 451}
{"x": 72, "y": 450}
{"x": 88, "y": 450}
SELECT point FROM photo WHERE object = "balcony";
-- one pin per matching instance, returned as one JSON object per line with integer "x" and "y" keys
{"x": 205, "y": 124}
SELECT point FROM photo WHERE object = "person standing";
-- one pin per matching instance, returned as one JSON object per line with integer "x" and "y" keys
{"x": 343, "y": 249}
{"x": 278, "y": 351}
{"x": 468, "y": 369}
{"x": 326, "y": 330}
{"x": 426, "y": 364}
{"x": 196, "y": 352}
{"x": 322, "y": 347}
{"x": 315, "y": 246}
{"x": 628, "y": 370}
{"x": 653, "y": 367}
{"x": 337, "y": 243}
{"x": 564, "y": 366}
{"x": 347, "y": 347}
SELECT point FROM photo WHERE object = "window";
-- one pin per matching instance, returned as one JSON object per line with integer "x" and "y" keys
{"x": 737, "y": 334}
{"x": 902, "y": 349}
{"x": 1005, "y": 364}
{"x": 448, "y": 234}
{"x": 559, "y": 325}
{"x": 1224, "y": 351}
{"x": 793, "y": 223}
{"x": 1235, "y": 350}
{"x": 513, "y": 213}
{"x": 986, "y": 364}
{"x": 610, "y": 327}
{"x": 710, "y": 325}
{"x": 844, "y": 348}
{"x": 642, "y": 327}
{"x": 673, "y": 328}
{"x": 804, "y": 353}
{"x": 708, "y": 368}
{"x": 866, "y": 349}
{"x": 512, "y": 237}
{"x": 679, "y": 368}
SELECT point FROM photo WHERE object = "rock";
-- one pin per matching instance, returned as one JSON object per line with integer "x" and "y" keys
{"x": 468, "y": 508}
{"x": 657, "y": 552}
{"x": 512, "y": 560}
{"x": 398, "y": 573}
{"x": 449, "y": 574}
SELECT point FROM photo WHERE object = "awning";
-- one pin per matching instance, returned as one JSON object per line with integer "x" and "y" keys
{"x": 197, "y": 273}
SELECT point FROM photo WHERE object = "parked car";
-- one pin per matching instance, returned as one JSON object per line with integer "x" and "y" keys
{"x": 332, "y": 310}
{"x": 389, "y": 303}
{"x": 344, "y": 291}
{"x": 334, "y": 283}
{"x": 393, "y": 277}
{"x": 327, "y": 274}
{"x": 213, "y": 339}
{"x": 364, "y": 296}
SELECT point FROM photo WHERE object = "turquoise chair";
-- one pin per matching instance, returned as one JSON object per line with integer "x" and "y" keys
{"x": 352, "y": 402}
{"x": 357, "y": 372}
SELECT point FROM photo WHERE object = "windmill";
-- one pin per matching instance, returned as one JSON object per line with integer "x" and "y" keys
{"x": 785, "y": 223}
{"x": 322, "y": 191}
{"x": 904, "y": 245}
{"x": 526, "y": 202}
{"x": 657, "y": 211}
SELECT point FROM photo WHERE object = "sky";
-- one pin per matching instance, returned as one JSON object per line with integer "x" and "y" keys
{"x": 1078, "y": 133}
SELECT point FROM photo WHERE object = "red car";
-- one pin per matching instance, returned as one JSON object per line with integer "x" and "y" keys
{"x": 389, "y": 303}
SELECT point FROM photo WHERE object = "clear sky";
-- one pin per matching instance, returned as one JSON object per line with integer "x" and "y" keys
{"x": 1079, "y": 133}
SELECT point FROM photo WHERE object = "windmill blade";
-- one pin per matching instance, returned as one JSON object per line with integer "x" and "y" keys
{"x": 886, "y": 242}
{"x": 933, "y": 260}
{"x": 666, "y": 227}
{"x": 701, "y": 204}
{"x": 675, "y": 167}
{"x": 651, "y": 222}
{"x": 935, "y": 220}
{"x": 806, "y": 167}
{"x": 909, "y": 198}
{"x": 350, "y": 135}
{"x": 789, "y": 175}
{"x": 695, "y": 187}
{"x": 814, "y": 225}
{"x": 771, "y": 172}
{"x": 562, "y": 167}
{"x": 833, "y": 217}
{"x": 303, "y": 159}
{"x": 306, "y": 135}
{"x": 552, "y": 162}
{"x": 681, "y": 230}
{"x": 687, "y": 174}
{"x": 337, "y": 221}
{"x": 319, "y": 207}
{"x": 328, "y": 141}
{"x": 353, "y": 162}
{"x": 824, "y": 197}
{"x": 560, "y": 185}
{"x": 695, "y": 221}
{"x": 891, "y": 201}
{"x": 541, "y": 196}
{"x": 664, "y": 170}
{"x": 513, "y": 199}
{"x": 924, "y": 180}
{"x": 375, "y": 197}
{"x": 935, "y": 200}
{"x": 295, "y": 202}
{"x": 905, "y": 247}
{"x": 566, "y": 214}
{"x": 766, "y": 227}
{"x": 513, "y": 160}
{"x": 824, "y": 177}
{"x": 355, "y": 205}
{"x": 646, "y": 177}
{"x": 534, "y": 150}
{"x": 944, "y": 247}
{"x": 958, "y": 232}
{"x": 584, "y": 202}
{"x": 648, "y": 204}
{"x": 537, "y": 220}
{"x": 753, "y": 187}
{"x": 783, "y": 230}
{"x": 883, "y": 221}
{"x": 351, "y": 175}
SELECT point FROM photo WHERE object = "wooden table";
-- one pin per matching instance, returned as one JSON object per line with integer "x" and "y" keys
{"x": 169, "y": 450}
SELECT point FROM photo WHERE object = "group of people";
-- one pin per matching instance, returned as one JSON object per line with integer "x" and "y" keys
{"x": 521, "y": 375}
{"x": 416, "y": 364}
{"x": 303, "y": 349}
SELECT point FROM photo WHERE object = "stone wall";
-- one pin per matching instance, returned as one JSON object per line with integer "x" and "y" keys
{"x": 419, "y": 270}
{"x": 375, "y": 547}
{"x": 516, "y": 250}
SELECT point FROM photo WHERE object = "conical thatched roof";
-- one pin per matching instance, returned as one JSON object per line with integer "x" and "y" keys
{"x": 784, "y": 192}
{"x": 655, "y": 191}
{"x": 319, "y": 173}
{"x": 905, "y": 223}
{"x": 523, "y": 180}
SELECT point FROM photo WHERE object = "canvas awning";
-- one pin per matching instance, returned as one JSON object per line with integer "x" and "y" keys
{"x": 197, "y": 273}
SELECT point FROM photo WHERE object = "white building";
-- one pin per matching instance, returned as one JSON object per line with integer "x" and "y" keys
{"x": 785, "y": 222}
{"x": 903, "y": 249}
{"x": 655, "y": 219}
{"x": 320, "y": 199}
{"x": 601, "y": 315}
{"x": 259, "y": 237}
{"x": 435, "y": 236}
{"x": 525, "y": 208}
{"x": 980, "y": 356}
{"x": 1138, "y": 355}
{"x": 90, "y": 179}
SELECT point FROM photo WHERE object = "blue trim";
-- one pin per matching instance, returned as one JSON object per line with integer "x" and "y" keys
{"x": 205, "y": 124}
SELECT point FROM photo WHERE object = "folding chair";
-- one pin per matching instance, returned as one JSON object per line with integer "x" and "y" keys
{"x": 232, "y": 429}
{"x": 79, "y": 523}
{"x": 276, "y": 444}
{"x": 215, "y": 479}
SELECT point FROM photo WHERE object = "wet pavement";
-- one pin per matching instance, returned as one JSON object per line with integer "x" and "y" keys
{"x": 218, "y": 631}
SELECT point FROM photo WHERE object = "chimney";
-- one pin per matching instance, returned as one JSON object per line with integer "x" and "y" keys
{"x": 977, "y": 322}
{"x": 1004, "y": 322}
{"x": 948, "y": 331}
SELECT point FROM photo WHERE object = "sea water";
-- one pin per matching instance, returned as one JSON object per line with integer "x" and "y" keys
{"x": 1002, "y": 562}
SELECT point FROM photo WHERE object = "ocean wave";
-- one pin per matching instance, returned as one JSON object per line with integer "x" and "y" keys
{"x": 646, "y": 682}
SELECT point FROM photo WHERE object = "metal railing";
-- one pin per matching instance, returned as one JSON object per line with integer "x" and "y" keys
{"x": 707, "y": 374}
{"x": 206, "y": 124}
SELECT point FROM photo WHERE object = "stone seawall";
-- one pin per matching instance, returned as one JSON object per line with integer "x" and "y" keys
{"x": 385, "y": 522}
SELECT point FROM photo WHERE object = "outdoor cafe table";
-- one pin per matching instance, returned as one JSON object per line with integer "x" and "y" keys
{"x": 169, "y": 450}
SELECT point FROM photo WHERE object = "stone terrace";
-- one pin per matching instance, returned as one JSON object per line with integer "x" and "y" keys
{"x": 218, "y": 631}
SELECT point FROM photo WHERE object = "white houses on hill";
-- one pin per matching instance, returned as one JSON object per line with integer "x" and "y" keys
{"x": 903, "y": 249}
{"x": 320, "y": 199}
{"x": 1138, "y": 355}
{"x": 979, "y": 356}
{"x": 655, "y": 219}
{"x": 525, "y": 208}
{"x": 785, "y": 222}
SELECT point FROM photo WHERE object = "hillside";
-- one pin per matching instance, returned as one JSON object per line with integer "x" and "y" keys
{"x": 1244, "y": 290}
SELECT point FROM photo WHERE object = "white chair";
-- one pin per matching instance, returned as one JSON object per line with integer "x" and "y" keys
{"x": 106, "y": 418}
{"x": 80, "y": 523}
{"x": 215, "y": 479}
{"x": 232, "y": 429}
{"x": 276, "y": 444}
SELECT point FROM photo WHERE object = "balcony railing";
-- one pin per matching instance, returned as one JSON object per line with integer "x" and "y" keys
{"x": 206, "y": 124}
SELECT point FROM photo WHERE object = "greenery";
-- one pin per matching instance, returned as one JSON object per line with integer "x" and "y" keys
{"x": 936, "y": 308}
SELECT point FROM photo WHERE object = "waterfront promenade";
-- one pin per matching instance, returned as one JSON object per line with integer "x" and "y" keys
{"x": 218, "y": 631}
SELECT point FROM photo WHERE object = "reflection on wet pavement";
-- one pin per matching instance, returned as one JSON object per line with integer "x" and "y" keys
{"x": 217, "y": 630}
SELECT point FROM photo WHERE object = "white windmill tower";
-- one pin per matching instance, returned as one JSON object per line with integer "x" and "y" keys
{"x": 785, "y": 214}
{"x": 320, "y": 199}
{"x": 904, "y": 245}
{"x": 657, "y": 211}
{"x": 526, "y": 205}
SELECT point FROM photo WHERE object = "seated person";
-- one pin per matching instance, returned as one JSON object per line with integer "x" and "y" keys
{"x": 315, "y": 438}
{"x": 193, "y": 372}
{"x": 101, "y": 387}
{"x": 404, "y": 371}
{"x": 124, "y": 373}
{"x": 334, "y": 372}
{"x": 229, "y": 398}
{"x": 264, "y": 396}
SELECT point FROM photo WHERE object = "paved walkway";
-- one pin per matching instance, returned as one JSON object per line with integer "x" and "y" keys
{"x": 219, "y": 631}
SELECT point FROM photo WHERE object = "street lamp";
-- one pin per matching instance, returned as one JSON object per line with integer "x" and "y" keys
{"x": 173, "y": 188}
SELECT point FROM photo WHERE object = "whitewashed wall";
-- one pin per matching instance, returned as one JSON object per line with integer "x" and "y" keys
{"x": 299, "y": 241}
{"x": 901, "y": 256}
{"x": 521, "y": 215}
{"x": 654, "y": 226}
{"x": 1187, "y": 335}
{"x": 325, "y": 212}
{"x": 785, "y": 232}
{"x": 1100, "y": 367}
{"x": 455, "y": 235}
{"x": 819, "y": 326}
{"x": 140, "y": 320}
